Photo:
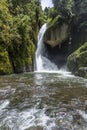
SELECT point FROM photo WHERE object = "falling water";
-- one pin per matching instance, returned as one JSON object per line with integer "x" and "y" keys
{"x": 42, "y": 63}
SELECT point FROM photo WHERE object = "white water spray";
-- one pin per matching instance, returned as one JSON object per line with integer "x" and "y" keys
{"x": 42, "y": 63}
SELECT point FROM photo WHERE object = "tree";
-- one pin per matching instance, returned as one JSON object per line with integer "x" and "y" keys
{"x": 73, "y": 10}
{"x": 80, "y": 11}
{"x": 64, "y": 7}
{"x": 20, "y": 21}
{"x": 5, "y": 22}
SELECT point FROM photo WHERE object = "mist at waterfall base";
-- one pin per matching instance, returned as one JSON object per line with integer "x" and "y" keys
{"x": 44, "y": 61}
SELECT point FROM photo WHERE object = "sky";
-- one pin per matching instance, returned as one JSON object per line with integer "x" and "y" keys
{"x": 46, "y": 3}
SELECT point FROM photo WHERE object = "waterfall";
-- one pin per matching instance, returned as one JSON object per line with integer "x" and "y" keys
{"x": 42, "y": 63}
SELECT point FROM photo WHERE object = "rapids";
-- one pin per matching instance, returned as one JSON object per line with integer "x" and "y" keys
{"x": 43, "y": 101}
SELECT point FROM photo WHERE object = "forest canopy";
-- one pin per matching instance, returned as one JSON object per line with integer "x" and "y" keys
{"x": 73, "y": 10}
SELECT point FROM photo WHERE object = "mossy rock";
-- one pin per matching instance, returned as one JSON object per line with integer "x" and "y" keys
{"x": 22, "y": 59}
{"x": 82, "y": 72}
{"x": 57, "y": 32}
{"x": 5, "y": 65}
{"x": 54, "y": 22}
{"x": 78, "y": 59}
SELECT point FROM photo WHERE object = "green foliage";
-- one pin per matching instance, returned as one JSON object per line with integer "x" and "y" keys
{"x": 78, "y": 59}
{"x": 5, "y": 23}
{"x": 20, "y": 21}
{"x": 54, "y": 22}
{"x": 50, "y": 12}
{"x": 80, "y": 11}
{"x": 5, "y": 65}
{"x": 75, "y": 11}
{"x": 64, "y": 7}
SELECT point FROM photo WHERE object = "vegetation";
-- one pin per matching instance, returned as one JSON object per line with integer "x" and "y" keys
{"x": 78, "y": 60}
{"x": 20, "y": 21}
{"x": 5, "y": 65}
{"x": 74, "y": 14}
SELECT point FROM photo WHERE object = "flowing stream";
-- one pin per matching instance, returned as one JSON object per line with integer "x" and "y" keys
{"x": 43, "y": 101}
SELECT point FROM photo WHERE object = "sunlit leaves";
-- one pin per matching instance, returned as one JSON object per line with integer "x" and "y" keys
{"x": 20, "y": 21}
{"x": 5, "y": 23}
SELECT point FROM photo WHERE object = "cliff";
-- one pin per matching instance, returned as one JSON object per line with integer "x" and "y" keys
{"x": 65, "y": 43}
{"x": 57, "y": 32}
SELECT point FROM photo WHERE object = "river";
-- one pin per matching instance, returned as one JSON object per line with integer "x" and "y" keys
{"x": 43, "y": 101}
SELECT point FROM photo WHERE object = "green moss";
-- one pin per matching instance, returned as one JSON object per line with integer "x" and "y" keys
{"x": 5, "y": 65}
{"x": 54, "y": 22}
{"x": 78, "y": 59}
{"x": 82, "y": 72}
{"x": 57, "y": 32}
{"x": 82, "y": 59}
{"x": 22, "y": 58}
{"x": 81, "y": 49}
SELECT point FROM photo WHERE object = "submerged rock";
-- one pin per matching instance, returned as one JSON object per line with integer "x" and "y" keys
{"x": 35, "y": 128}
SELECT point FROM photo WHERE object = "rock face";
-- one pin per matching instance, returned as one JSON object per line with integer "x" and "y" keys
{"x": 66, "y": 43}
{"x": 77, "y": 61}
{"x": 56, "y": 34}
{"x": 83, "y": 72}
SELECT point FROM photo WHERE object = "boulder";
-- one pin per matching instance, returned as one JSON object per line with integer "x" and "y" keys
{"x": 77, "y": 61}
{"x": 82, "y": 72}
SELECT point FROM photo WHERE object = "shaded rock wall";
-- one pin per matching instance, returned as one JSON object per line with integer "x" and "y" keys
{"x": 57, "y": 54}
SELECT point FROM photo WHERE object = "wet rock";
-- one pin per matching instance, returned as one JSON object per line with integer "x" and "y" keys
{"x": 35, "y": 128}
{"x": 86, "y": 106}
{"x": 77, "y": 119}
{"x": 62, "y": 109}
{"x": 55, "y": 128}
{"x": 64, "y": 124}
{"x": 60, "y": 128}
{"x": 86, "y": 102}
{"x": 77, "y": 61}
{"x": 82, "y": 72}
